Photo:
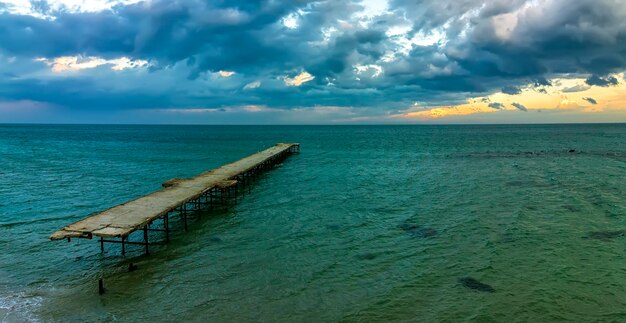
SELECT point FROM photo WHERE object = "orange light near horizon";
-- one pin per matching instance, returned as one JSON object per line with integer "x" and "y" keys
{"x": 566, "y": 94}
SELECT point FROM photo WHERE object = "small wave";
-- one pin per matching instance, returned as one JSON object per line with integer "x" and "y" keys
{"x": 619, "y": 155}
{"x": 16, "y": 223}
{"x": 19, "y": 307}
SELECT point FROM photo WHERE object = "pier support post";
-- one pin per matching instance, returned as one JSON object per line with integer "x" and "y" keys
{"x": 184, "y": 212}
{"x": 247, "y": 175}
{"x": 100, "y": 286}
{"x": 222, "y": 187}
{"x": 166, "y": 225}
{"x": 145, "y": 238}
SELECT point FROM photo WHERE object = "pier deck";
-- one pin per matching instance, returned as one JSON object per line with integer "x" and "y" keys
{"x": 122, "y": 220}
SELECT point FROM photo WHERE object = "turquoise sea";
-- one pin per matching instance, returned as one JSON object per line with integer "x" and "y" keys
{"x": 507, "y": 223}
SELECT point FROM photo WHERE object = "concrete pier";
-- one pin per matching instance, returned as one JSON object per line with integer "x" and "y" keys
{"x": 179, "y": 195}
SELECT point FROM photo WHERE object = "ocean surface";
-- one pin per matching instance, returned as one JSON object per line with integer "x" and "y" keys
{"x": 499, "y": 223}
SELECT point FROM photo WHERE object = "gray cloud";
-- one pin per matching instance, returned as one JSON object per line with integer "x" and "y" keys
{"x": 602, "y": 81}
{"x": 511, "y": 90}
{"x": 542, "y": 81}
{"x": 519, "y": 107}
{"x": 576, "y": 88}
{"x": 496, "y": 105}
{"x": 591, "y": 100}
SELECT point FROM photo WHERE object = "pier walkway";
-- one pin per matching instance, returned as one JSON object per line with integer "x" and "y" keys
{"x": 178, "y": 195}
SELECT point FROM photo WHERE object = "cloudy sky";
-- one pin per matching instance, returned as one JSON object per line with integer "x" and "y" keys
{"x": 300, "y": 61}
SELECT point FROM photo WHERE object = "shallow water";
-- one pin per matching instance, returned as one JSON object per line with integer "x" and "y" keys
{"x": 367, "y": 223}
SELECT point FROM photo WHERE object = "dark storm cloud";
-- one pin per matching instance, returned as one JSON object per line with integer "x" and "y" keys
{"x": 496, "y": 105}
{"x": 511, "y": 90}
{"x": 591, "y": 100}
{"x": 231, "y": 36}
{"x": 542, "y": 81}
{"x": 80, "y": 93}
{"x": 487, "y": 46}
{"x": 546, "y": 39}
{"x": 602, "y": 81}
{"x": 519, "y": 106}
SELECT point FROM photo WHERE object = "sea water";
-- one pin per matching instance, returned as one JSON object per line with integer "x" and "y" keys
{"x": 368, "y": 223}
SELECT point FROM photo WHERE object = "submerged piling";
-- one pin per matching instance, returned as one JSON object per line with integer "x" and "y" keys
{"x": 100, "y": 287}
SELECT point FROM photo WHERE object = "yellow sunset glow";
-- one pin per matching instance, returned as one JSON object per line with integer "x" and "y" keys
{"x": 565, "y": 93}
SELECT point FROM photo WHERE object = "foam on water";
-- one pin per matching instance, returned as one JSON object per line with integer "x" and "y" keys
{"x": 19, "y": 307}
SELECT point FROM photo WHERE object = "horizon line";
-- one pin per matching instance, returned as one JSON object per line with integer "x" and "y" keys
{"x": 309, "y": 124}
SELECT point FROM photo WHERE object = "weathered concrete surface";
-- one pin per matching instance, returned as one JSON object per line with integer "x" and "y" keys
{"x": 123, "y": 219}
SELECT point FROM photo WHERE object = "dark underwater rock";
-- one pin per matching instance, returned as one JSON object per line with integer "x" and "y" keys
{"x": 215, "y": 239}
{"x": 408, "y": 226}
{"x": 333, "y": 227}
{"x": 605, "y": 235}
{"x": 570, "y": 208}
{"x": 367, "y": 256}
{"x": 515, "y": 183}
{"x": 425, "y": 233}
{"x": 474, "y": 284}
{"x": 418, "y": 231}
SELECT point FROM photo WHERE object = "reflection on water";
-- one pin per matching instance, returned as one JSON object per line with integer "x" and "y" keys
{"x": 368, "y": 223}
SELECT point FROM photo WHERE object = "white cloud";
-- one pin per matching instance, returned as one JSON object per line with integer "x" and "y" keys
{"x": 299, "y": 79}
{"x": 226, "y": 73}
{"x": 504, "y": 25}
{"x": 252, "y": 85}
{"x": 24, "y": 7}
{"x": 290, "y": 21}
{"x": 374, "y": 7}
{"x": 371, "y": 70}
{"x": 254, "y": 108}
{"x": 433, "y": 37}
{"x": 123, "y": 63}
{"x": 77, "y": 63}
